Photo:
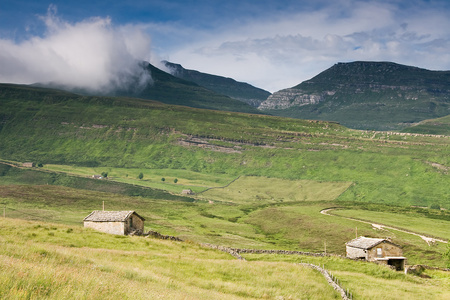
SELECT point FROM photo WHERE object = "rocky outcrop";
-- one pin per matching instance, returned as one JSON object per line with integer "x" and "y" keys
{"x": 292, "y": 97}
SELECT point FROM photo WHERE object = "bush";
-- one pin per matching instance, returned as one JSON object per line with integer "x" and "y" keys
{"x": 140, "y": 176}
{"x": 435, "y": 206}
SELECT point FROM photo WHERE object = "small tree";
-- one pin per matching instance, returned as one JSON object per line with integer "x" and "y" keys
{"x": 105, "y": 174}
{"x": 40, "y": 165}
{"x": 175, "y": 180}
{"x": 163, "y": 179}
{"x": 140, "y": 176}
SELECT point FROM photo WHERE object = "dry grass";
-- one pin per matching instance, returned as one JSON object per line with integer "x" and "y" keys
{"x": 104, "y": 267}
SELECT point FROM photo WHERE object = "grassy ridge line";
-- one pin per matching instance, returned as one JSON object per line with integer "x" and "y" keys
{"x": 433, "y": 126}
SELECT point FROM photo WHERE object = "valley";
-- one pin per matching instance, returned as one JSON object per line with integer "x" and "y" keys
{"x": 259, "y": 182}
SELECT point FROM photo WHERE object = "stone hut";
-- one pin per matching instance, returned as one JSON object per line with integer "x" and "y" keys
{"x": 187, "y": 192}
{"x": 28, "y": 164}
{"x": 115, "y": 222}
{"x": 381, "y": 251}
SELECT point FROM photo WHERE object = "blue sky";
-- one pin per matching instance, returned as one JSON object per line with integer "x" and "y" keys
{"x": 270, "y": 44}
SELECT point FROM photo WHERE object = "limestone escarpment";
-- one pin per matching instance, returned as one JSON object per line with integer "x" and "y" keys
{"x": 292, "y": 97}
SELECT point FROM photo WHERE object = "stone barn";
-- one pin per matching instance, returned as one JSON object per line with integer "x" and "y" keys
{"x": 115, "y": 222}
{"x": 381, "y": 251}
{"x": 187, "y": 192}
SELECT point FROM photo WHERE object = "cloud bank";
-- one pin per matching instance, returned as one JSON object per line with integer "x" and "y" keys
{"x": 284, "y": 49}
{"x": 264, "y": 43}
{"x": 91, "y": 54}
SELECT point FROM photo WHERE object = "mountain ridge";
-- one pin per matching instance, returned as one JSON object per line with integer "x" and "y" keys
{"x": 366, "y": 95}
{"x": 223, "y": 85}
{"x": 166, "y": 88}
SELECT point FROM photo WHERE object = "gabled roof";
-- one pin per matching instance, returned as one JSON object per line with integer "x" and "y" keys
{"x": 110, "y": 216}
{"x": 366, "y": 243}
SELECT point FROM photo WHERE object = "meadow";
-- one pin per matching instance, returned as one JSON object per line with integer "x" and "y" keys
{"x": 220, "y": 216}
{"x": 41, "y": 260}
{"x": 44, "y": 260}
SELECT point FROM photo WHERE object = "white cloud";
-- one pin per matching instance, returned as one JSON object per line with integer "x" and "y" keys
{"x": 91, "y": 54}
{"x": 288, "y": 48}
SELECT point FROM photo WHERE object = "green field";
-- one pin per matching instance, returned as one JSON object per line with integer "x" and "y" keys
{"x": 244, "y": 222}
{"x": 439, "y": 228}
{"x": 262, "y": 190}
{"x": 195, "y": 181}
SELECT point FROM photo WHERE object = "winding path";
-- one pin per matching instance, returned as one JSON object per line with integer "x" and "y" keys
{"x": 429, "y": 240}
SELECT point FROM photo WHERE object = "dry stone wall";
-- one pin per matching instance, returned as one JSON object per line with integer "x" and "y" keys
{"x": 161, "y": 236}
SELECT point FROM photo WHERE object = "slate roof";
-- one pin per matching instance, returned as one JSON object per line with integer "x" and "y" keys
{"x": 365, "y": 243}
{"x": 110, "y": 216}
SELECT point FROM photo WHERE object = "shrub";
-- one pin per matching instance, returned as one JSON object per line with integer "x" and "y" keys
{"x": 435, "y": 206}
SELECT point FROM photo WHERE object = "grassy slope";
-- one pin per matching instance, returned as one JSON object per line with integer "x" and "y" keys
{"x": 51, "y": 261}
{"x": 131, "y": 136}
{"x": 250, "y": 222}
{"x": 428, "y": 226}
{"x": 172, "y": 90}
{"x": 62, "y": 128}
{"x": 41, "y": 260}
{"x": 225, "y": 86}
{"x": 434, "y": 126}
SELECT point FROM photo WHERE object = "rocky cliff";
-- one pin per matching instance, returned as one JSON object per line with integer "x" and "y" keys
{"x": 366, "y": 95}
{"x": 287, "y": 98}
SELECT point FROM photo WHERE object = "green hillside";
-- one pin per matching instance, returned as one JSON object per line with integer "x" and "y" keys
{"x": 168, "y": 89}
{"x": 367, "y": 95}
{"x": 172, "y": 90}
{"x": 225, "y": 86}
{"x": 260, "y": 182}
{"x": 433, "y": 126}
{"x": 53, "y": 127}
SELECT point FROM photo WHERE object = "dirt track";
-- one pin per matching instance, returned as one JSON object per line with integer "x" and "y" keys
{"x": 429, "y": 240}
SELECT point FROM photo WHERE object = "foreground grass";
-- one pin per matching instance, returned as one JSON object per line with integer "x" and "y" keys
{"x": 41, "y": 260}
{"x": 372, "y": 281}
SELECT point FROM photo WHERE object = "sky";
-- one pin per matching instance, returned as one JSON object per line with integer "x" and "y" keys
{"x": 270, "y": 44}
